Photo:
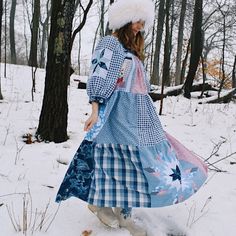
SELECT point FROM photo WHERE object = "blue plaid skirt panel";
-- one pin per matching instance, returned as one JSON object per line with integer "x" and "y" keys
{"x": 119, "y": 180}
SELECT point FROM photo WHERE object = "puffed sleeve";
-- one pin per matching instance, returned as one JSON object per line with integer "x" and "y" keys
{"x": 106, "y": 64}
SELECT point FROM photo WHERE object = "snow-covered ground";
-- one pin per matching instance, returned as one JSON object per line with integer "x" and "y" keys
{"x": 31, "y": 173}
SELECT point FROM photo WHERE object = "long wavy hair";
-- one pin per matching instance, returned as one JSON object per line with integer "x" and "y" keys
{"x": 131, "y": 42}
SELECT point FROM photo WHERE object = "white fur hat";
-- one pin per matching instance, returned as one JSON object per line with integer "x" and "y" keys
{"x": 122, "y": 12}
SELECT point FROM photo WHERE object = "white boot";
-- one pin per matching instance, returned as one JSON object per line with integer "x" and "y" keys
{"x": 126, "y": 222}
{"x": 105, "y": 215}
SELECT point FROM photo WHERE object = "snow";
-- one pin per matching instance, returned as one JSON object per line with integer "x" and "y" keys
{"x": 34, "y": 169}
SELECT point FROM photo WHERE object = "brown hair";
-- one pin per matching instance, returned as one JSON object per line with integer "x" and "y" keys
{"x": 131, "y": 42}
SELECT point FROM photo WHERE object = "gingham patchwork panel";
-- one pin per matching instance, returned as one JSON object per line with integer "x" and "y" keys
{"x": 106, "y": 64}
{"x": 118, "y": 178}
{"x": 120, "y": 125}
{"x": 150, "y": 130}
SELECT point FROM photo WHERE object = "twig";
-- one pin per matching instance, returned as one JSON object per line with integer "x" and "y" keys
{"x": 31, "y": 206}
{"x": 193, "y": 222}
{"x": 206, "y": 203}
{"x": 11, "y": 218}
{"x": 193, "y": 208}
{"x": 5, "y": 140}
{"x": 14, "y": 217}
{"x": 217, "y": 169}
{"x": 53, "y": 218}
{"x": 25, "y": 207}
{"x": 43, "y": 217}
{"x": 216, "y": 148}
{"x": 10, "y": 194}
{"x": 222, "y": 158}
{"x": 35, "y": 219}
{"x": 18, "y": 150}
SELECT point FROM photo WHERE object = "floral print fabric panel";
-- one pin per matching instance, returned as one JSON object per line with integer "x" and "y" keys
{"x": 79, "y": 174}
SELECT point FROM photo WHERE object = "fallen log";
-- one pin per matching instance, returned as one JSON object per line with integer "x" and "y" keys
{"x": 177, "y": 90}
{"x": 225, "y": 98}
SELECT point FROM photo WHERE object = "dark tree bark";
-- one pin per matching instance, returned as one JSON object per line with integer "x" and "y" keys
{"x": 223, "y": 53}
{"x": 108, "y": 31}
{"x": 33, "y": 58}
{"x": 53, "y": 118}
{"x": 5, "y": 39}
{"x": 234, "y": 74}
{"x": 196, "y": 47}
{"x": 80, "y": 27}
{"x": 180, "y": 43}
{"x": 155, "y": 77}
{"x": 166, "y": 65}
{"x": 102, "y": 28}
{"x": 204, "y": 68}
{"x": 44, "y": 36}
{"x": 1, "y": 13}
{"x": 12, "y": 32}
{"x": 184, "y": 63}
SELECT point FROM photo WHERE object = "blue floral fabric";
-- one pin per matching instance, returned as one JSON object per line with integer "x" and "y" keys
{"x": 79, "y": 175}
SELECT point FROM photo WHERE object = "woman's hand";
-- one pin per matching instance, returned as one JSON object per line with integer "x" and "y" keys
{"x": 93, "y": 118}
{"x": 90, "y": 122}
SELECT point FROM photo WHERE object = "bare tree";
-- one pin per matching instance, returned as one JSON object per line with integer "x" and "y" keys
{"x": 108, "y": 31}
{"x": 102, "y": 27}
{"x": 180, "y": 42}
{"x": 223, "y": 13}
{"x": 45, "y": 25}
{"x": 155, "y": 76}
{"x": 33, "y": 58}
{"x": 53, "y": 118}
{"x": 166, "y": 65}
{"x": 1, "y": 13}
{"x": 234, "y": 74}
{"x": 196, "y": 47}
{"x": 5, "y": 40}
{"x": 12, "y": 32}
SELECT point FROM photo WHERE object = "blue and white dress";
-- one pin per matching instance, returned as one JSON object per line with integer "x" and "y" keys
{"x": 126, "y": 159}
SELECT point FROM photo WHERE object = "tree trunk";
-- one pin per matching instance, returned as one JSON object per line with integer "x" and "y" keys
{"x": 223, "y": 56}
{"x": 155, "y": 78}
{"x": 204, "y": 68}
{"x": 53, "y": 118}
{"x": 1, "y": 13}
{"x": 180, "y": 43}
{"x": 234, "y": 74}
{"x": 167, "y": 47}
{"x": 102, "y": 28}
{"x": 33, "y": 60}
{"x": 12, "y": 32}
{"x": 196, "y": 47}
{"x": 79, "y": 44}
{"x": 166, "y": 65}
{"x": 44, "y": 37}
{"x": 108, "y": 31}
{"x": 5, "y": 40}
{"x": 184, "y": 63}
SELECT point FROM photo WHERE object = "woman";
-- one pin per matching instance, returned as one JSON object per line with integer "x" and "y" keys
{"x": 126, "y": 159}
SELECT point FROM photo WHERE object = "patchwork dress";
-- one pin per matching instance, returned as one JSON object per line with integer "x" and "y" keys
{"x": 126, "y": 159}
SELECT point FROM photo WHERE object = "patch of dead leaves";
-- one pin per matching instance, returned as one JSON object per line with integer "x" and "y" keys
{"x": 87, "y": 232}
